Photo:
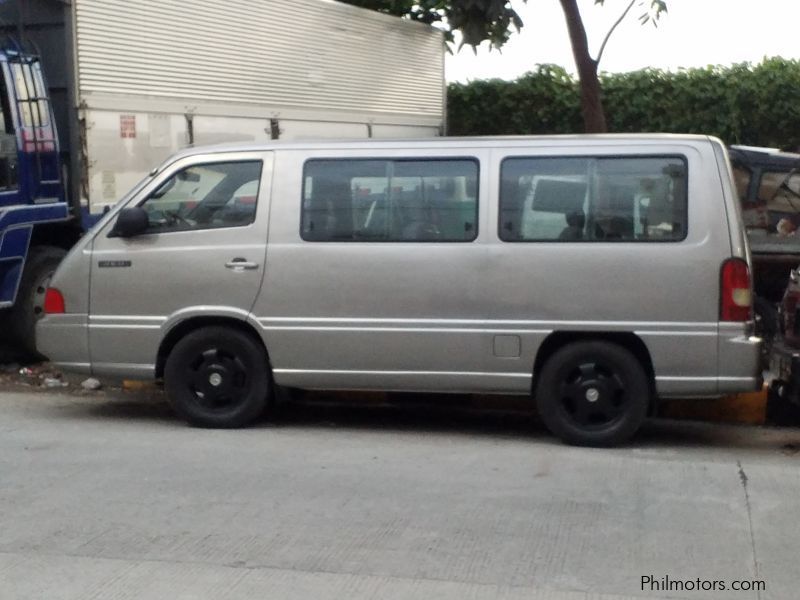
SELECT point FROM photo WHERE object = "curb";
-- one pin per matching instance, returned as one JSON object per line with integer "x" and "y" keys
{"x": 749, "y": 408}
{"x": 138, "y": 385}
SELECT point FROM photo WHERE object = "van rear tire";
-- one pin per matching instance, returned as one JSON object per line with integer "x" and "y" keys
{"x": 218, "y": 377}
{"x": 593, "y": 393}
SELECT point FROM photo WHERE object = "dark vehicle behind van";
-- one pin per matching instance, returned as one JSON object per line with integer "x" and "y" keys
{"x": 768, "y": 184}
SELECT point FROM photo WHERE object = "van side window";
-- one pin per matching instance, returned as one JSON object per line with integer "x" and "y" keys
{"x": 206, "y": 196}
{"x": 400, "y": 200}
{"x": 622, "y": 199}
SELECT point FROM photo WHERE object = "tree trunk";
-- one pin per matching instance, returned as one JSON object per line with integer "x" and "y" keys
{"x": 594, "y": 118}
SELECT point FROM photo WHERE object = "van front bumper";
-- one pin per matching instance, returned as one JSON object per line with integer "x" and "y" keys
{"x": 64, "y": 340}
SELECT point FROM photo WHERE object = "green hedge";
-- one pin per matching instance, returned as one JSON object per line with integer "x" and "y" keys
{"x": 757, "y": 105}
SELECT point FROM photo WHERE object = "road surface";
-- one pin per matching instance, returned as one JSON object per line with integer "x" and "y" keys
{"x": 108, "y": 496}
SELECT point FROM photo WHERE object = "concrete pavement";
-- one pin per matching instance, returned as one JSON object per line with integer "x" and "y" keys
{"x": 110, "y": 497}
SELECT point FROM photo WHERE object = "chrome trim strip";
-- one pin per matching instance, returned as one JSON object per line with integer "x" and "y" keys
{"x": 124, "y": 366}
{"x": 709, "y": 379}
{"x": 482, "y": 326}
{"x": 652, "y": 328}
{"x": 73, "y": 365}
{"x": 118, "y": 326}
{"x": 126, "y": 318}
{"x": 404, "y": 329}
{"x": 680, "y": 378}
{"x": 681, "y": 333}
{"x": 135, "y": 322}
{"x": 492, "y": 322}
{"x": 435, "y": 373}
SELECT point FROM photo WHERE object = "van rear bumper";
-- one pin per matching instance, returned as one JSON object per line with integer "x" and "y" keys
{"x": 739, "y": 360}
{"x": 64, "y": 340}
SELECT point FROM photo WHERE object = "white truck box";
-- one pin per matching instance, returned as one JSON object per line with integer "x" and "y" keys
{"x": 154, "y": 76}
{"x": 134, "y": 81}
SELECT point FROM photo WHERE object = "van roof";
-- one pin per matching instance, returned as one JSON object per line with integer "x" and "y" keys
{"x": 474, "y": 142}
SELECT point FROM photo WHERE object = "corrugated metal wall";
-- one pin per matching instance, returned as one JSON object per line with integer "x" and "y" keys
{"x": 312, "y": 54}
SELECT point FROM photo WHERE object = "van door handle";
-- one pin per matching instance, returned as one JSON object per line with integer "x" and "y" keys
{"x": 241, "y": 264}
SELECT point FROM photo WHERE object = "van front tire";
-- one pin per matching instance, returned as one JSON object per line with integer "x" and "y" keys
{"x": 218, "y": 377}
{"x": 593, "y": 393}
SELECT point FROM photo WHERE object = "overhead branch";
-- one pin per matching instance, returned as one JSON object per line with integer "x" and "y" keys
{"x": 610, "y": 31}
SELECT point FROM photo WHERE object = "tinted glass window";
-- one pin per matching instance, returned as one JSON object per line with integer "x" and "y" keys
{"x": 390, "y": 200}
{"x": 593, "y": 199}
{"x": 205, "y": 197}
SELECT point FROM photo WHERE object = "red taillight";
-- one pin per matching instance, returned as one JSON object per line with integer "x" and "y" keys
{"x": 736, "y": 296}
{"x": 53, "y": 302}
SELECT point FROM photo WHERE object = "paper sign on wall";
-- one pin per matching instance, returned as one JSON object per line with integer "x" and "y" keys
{"x": 127, "y": 126}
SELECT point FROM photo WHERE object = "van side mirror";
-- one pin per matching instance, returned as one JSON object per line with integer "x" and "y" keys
{"x": 130, "y": 222}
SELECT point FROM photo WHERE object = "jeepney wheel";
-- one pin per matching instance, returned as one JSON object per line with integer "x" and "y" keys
{"x": 767, "y": 325}
{"x": 29, "y": 307}
{"x": 593, "y": 393}
{"x": 218, "y": 377}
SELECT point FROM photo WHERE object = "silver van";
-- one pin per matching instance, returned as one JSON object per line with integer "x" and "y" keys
{"x": 595, "y": 273}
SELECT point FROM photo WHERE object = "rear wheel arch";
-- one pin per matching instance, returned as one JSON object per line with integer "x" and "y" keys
{"x": 593, "y": 393}
{"x": 627, "y": 340}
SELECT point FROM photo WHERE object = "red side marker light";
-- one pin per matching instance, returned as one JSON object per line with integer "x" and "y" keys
{"x": 54, "y": 302}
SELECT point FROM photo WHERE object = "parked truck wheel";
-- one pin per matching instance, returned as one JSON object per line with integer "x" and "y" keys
{"x": 593, "y": 393}
{"x": 218, "y": 377}
{"x": 29, "y": 306}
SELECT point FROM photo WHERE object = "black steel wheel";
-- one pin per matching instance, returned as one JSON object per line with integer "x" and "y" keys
{"x": 218, "y": 377}
{"x": 593, "y": 393}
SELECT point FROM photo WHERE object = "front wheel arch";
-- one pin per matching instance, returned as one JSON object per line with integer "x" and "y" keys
{"x": 218, "y": 376}
{"x": 187, "y": 326}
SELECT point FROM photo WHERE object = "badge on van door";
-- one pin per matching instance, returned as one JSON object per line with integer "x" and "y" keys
{"x": 113, "y": 263}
